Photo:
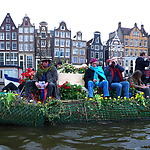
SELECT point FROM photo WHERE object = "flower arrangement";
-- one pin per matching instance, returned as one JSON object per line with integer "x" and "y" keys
{"x": 68, "y": 68}
{"x": 82, "y": 69}
{"x": 71, "y": 91}
{"x": 28, "y": 75}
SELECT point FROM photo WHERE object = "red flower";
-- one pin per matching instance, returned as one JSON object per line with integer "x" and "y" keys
{"x": 67, "y": 87}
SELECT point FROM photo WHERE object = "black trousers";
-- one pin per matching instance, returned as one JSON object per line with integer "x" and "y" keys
{"x": 31, "y": 87}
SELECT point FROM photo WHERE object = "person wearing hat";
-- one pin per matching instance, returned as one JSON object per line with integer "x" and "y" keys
{"x": 95, "y": 77}
{"x": 45, "y": 77}
{"x": 113, "y": 73}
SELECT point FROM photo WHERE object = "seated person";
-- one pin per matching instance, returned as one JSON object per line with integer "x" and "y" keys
{"x": 113, "y": 73}
{"x": 137, "y": 82}
{"x": 46, "y": 72}
{"x": 94, "y": 77}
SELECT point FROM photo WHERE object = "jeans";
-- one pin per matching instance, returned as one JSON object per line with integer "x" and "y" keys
{"x": 103, "y": 84}
{"x": 119, "y": 86}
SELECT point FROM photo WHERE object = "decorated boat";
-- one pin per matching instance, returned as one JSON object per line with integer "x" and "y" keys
{"x": 74, "y": 107}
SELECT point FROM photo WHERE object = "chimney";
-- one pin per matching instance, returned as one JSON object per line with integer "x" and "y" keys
{"x": 119, "y": 25}
{"x": 142, "y": 26}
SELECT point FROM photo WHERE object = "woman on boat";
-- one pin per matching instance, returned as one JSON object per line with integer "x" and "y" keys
{"x": 136, "y": 81}
{"x": 94, "y": 77}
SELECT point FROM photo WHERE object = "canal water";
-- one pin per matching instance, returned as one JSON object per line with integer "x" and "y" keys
{"x": 131, "y": 135}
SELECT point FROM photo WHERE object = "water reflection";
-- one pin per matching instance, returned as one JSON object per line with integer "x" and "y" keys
{"x": 133, "y": 135}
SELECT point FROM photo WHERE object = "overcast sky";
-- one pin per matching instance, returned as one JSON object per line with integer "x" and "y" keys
{"x": 86, "y": 16}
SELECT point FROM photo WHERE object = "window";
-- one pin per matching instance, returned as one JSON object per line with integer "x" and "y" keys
{"x": 26, "y": 38}
{"x": 2, "y": 46}
{"x": 141, "y": 41}
{"x": 7, "y": 45}
{"x": 145, "y": 43}
{"x": 67, "y": 34}
{"x": 25, "y": 30}
{"x": 8, "y": 20}
{"x": 96, "y": 47}
{"x": 7, "y": 27}
{"x": 67, "y": 52}
{"x": 67, "y": 43}
{"x": 43, "y": 43}
{"x": 31, "y": 38}
{"x": 11, "y": 58}
{"x": 1, "y": 58}
{"x": 115, "y": 54}
{"x": 82, "y": 51}
{"x": 56, "y": 52}
{"x": 26, "y": 47}
{"x": 21, "y": 57}
{"x": 20, "y": 30}
{"x": 62, "y": 34}
{"x": 131, "y": 42}
{"x": 83, "y": 44}
{"x": 75, "y": 60}
{"x": 14, "y": 35}
{"x": 7, "y": 35}
{"x": 29, "y": 61}
{"x": 43, "y": 36}
{"x": 97, "y": 40}
{"x": 82, "y": 60}
{"x": 56, "y": 42}
{"x": 62, "y": 43}
{"x": 1, "y": 36}
{"x": 96, "y": 54}
{"x": 21, "y": 47}
{"x": 92, "y": 54}
{"x": 62, "y": 27}
{"x": 31, "y": 47}
{"x": 101, "y": 55}
{"x": 31, "y": 30}
{"x": 75, "y": 51}
{"x": 14, "y": 46}
{"x": 126, "y": 42}
{"x": 79, "y": 44}
{"x": 136, "y": 43}
{"x": 131, "y": 52}
{"x": 20, "y": 38}
{"x": 74, "y": 43}
{"x": 26, "y": 23}
{"x": 57, "y": 33}
{"x": 61, "y": 52}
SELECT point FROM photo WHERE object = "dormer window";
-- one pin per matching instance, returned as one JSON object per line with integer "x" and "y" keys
{"x": 7, "y": 27}
{"x": 8, "y": 20}
{"x": 62, "y": 27}
{"x": 26, "y": 23}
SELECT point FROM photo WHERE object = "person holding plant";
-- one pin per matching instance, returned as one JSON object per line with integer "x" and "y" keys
{"x": 45, "y": 78}
{"x": 137, "y": 82}
{"x": 94, "y": 77}
{"x": 113, "y": 73}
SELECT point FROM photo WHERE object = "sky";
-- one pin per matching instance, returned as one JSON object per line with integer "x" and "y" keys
{"x": 86, "y": 16}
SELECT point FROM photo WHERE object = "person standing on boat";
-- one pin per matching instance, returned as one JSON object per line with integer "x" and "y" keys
{"x": 136, "y": 81}
{"x": 113, "y": 73}
{"x": 45, "y": 77}
{"x": 140, "y": 64}
{"x": 95, "y": 77}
